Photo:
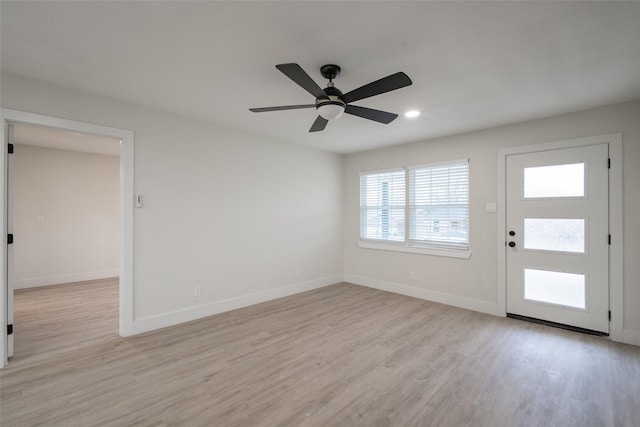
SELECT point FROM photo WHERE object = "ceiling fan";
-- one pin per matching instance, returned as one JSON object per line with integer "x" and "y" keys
{"x": 331, "y": 102}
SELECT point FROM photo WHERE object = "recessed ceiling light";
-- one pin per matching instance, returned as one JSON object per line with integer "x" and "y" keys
{"x": 411, "y": 114}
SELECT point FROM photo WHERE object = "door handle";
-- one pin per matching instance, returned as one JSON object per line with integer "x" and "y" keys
{"x": 512, "y": 244}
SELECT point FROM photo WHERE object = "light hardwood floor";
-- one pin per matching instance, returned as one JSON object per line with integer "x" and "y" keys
{"x": 51, "y": 319}
{"x": 339, "y": 356}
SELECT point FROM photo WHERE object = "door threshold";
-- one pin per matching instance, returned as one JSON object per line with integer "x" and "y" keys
{"x": 557, "y": 325}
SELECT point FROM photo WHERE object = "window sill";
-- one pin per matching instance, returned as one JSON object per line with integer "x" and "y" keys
{"x": 449, "y": 253}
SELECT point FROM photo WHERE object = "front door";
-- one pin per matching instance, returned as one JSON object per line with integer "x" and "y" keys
{"x": 558, "y": 236}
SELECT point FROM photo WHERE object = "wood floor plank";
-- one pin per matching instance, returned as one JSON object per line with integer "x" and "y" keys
{"x": 343, "y": 355}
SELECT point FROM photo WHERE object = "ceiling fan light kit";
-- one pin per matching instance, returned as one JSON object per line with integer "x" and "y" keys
{"x": 331, "y": 110}
{"x": 331, "y": 102}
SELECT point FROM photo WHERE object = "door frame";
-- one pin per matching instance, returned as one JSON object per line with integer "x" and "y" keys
{"x": 126, "y": 137}
{"x": 616, "y": 286}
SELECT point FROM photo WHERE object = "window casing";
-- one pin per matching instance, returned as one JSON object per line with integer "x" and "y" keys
{"x": 416, "y": 207}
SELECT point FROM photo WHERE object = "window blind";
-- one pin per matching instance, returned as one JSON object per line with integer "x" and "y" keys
{"x": 439, "y": 205}
{"x": 382, "y": 205}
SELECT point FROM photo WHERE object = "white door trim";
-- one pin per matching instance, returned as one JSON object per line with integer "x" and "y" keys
{"x": 615, "y": 221}
{"x": 126, "y": 209}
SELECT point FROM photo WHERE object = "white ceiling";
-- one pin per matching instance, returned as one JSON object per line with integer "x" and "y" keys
{"x": 473, "y": 64}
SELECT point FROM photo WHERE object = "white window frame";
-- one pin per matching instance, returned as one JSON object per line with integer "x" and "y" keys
{"x": 409, "y": 246}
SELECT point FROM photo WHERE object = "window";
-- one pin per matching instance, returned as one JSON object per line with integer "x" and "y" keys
{"x": 439, "y": 205}
{"x": 382, "y": 205}
{"x": 419, "y": 207}
{"x": 554, "y": 181}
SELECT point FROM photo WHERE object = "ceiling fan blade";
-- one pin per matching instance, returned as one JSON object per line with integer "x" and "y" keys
{"x": 386, "y": 84}
{"x": 371, "y": 114}
{"x": 284, "y": 107}
{"x": 319, "y": 124}
{"x": 298, "y": 75}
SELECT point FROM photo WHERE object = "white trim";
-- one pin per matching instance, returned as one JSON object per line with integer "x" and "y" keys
{"x": 398, "y": 169}
{"x": 4, "y": 344}
{"x": 198, "y": 312}
{"x": 402, "y": 247}
{"x": 34, "y": 282}
{"x": 616, "y": 284}
{"x": 126, "y": 138}
{"x": 616, "y": 250}
{"x": 487, "y": 307}
{"x": 438, "y": 164}
{"x": 501, "y": 221}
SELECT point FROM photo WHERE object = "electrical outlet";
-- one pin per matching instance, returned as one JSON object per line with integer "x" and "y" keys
{"x": 298, "y": 271}
{"x": 412, "y": 275}
{"x": 196, "y": 291}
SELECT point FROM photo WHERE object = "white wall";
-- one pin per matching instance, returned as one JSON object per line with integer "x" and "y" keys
{"x": 472, "y": 283}
{"x": 237, "y": 214}
{"x": 233, "y": 213}
{"x": 76, "y": 197}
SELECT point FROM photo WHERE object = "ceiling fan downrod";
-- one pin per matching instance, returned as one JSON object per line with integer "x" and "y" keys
{"x": 331, "y": 107}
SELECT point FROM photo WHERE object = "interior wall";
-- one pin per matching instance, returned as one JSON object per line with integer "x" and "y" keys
{"x": 242, "y": 217}
{"x": 472, "y": 283}
{"x": 212, "y": 218}
{"x": 66, "y": 216}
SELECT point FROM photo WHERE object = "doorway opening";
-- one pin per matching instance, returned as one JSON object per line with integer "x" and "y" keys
{"x": 93, "y": 273}
{"x": 560, "y": 249}
{"x": 64, "y": 205}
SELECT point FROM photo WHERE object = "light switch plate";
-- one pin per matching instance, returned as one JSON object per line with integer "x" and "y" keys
{"x": 490, "y": 208}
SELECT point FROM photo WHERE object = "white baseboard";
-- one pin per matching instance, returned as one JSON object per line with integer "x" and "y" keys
{"x": 34, "y": 282}
{"x": 192, "y": 313}
{"x": 425, "y": 294}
